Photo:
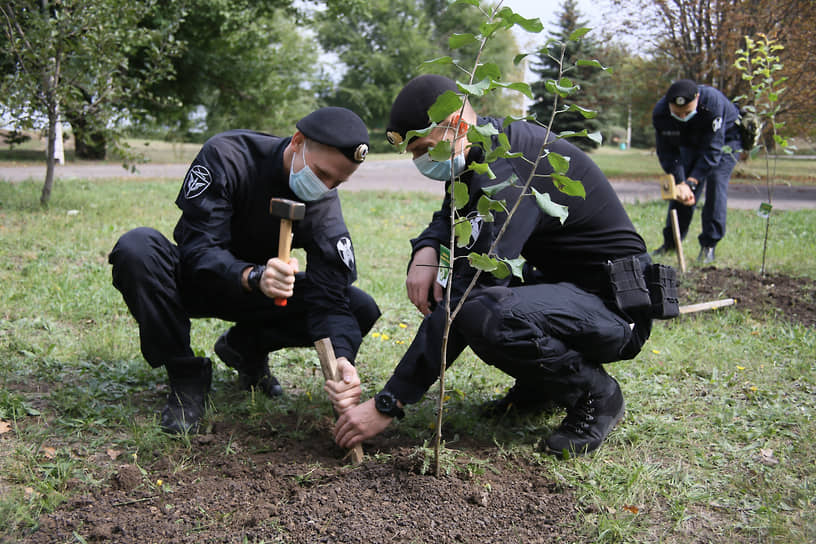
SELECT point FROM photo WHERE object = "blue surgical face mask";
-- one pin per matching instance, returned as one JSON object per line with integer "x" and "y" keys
{"x": 685, "y": 119}
{"x": 305, "y": 184}
{"x": 440, "y": 171}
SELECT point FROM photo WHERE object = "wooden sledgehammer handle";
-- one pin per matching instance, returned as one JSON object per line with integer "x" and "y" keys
{"x": 284, "y": 248}
{"x": 325, "y": 352}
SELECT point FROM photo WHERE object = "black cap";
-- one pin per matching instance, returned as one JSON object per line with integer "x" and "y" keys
{"x": 337, "y": 127}
{"x": 410, "y": 108}
{"x": 682, "y": 92}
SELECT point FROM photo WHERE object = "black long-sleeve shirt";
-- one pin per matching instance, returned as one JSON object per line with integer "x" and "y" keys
{"x": 226, "y": 227}
{"x": 596, "y": 230}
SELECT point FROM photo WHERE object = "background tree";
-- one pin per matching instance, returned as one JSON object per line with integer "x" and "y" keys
{"x": 243, "y": 64}
{"x": 593, "y": 94}
{"x": 54, "y": 63}
{"x": 698, "y": 38}
{"x": 384, "y": 43}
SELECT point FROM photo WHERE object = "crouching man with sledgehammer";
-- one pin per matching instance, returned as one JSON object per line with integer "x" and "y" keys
{"x": 242, "y": 197}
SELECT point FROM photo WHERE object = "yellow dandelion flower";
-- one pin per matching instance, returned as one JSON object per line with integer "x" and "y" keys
{"x": 753, "y": 388}
{"x": 740, "y": 367}
{"x": 656, "y": 351}
{"x": 385, "y": 337}
{"x": 375, "y": 334}
{"x": 403, "y": 326}
{"x": 159, "y": 483}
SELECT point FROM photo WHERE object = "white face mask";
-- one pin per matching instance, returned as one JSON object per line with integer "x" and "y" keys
{"x": 304, "y": 183}
{"x": 440, "y": 171}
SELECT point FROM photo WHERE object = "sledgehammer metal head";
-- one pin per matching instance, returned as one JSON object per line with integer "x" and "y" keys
{"x": 287, "y": 209}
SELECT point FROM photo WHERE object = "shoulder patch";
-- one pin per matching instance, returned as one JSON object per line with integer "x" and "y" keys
{"x": 198, "y": 179}
{"x": 716, "y": 124}
{"x": 346, "y": 252}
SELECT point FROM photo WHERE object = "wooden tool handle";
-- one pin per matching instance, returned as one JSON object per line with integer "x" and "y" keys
{"x": 328, "y": 363}
{"x": 284, "y": 248}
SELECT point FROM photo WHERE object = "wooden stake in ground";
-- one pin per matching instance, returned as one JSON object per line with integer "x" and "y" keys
{"x": 690, "y": 308}
{"x": 325, "y": 352}
{"x": 678, "y": 243}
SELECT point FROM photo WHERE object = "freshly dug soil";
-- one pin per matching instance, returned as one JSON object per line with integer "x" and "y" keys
{"x": 245, "y": 486}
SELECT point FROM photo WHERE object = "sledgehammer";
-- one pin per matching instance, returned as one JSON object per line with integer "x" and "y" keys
{"x": 288, "y": 211}
{"x": 328, "y": 363}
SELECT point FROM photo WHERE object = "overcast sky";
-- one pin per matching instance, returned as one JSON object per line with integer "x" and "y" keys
{"x": 547, "y": 12}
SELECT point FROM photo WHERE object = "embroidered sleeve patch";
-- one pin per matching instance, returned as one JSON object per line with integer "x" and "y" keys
{"x": 346, "y": 252}
{"x": 198, "y": 179}
{"x": 716, "y": 124}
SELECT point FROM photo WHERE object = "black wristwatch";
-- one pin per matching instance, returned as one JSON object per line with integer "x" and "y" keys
{"x": 691, "y": 184}
{"x": 254, "y": 277}
{"x": 386, "y": 404}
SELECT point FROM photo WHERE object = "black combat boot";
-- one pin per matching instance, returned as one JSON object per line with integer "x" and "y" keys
{"x": 589, "y": 421}
{"x": 706, "y": 255}
{"x": 520, "y": 401}
{"x": 186, "y": 402}
{"x": 253, "y": 371}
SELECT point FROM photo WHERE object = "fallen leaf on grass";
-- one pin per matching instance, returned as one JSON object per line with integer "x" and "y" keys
{"x": 49, "y": 452}
{"x": 113, "y": 454}
{"x": 630, "y": 508}
{"x": 5, "y": 426}
{"x": 766, "y": 457}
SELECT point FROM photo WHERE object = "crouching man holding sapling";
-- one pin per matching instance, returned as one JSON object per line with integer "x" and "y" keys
{"x": 584, "y": 302}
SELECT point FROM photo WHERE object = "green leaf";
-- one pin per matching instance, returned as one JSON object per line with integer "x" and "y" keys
{"x": 460, "y": 40}
{"x": 549, "y": 207}
{"x": 533, "y": 26}
{"x": 488, "y": 29}
{"x": 578, "y": 34}
{"x": 441, "y": 61}
{"x": 489, "y": 70}
{"x": 596, "y": 137}
{"x": 516, "y": 266}
{"x": 446, "y": 103}
{"x": 463, "y": 231}
{"x": 523, "y": 88}
{"x": 467, "y": 2}
{"x": 560, "y": 163}
{"x": 441, "y": 151}
{"x": 512, "y": 119}
{"x": 588, "y": 114}
{"x": 568, "y": 185}
{"x": 487, "y": 205}
{"x": 483, "y": 262}
{"x": 482, "y": 168}
{"x": 482, "y": 133}
{"x": 493, "y": 189}
{"x": 460, "y": 194}
{"x": 477, "y": 89}
{"x": 593, "y": 63}
{"x": 520, "y": 57}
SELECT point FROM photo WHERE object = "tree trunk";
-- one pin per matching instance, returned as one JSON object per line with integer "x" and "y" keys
{"x": 49, "y": 161}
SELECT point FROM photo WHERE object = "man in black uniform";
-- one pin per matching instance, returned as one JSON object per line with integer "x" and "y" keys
{"x": 224, "y": 261}
{"x": 693, "y": 125}
{"x": 553, "y": 333}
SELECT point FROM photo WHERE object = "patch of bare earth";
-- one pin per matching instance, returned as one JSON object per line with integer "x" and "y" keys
{"x": 301, "y": 492}
{"x": 248, "y": 485}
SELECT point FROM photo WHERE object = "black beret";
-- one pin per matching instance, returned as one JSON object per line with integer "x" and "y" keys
{"x": 682, "y": 92}
{"x": 410, "y": 108}
{"x": 337, "y": 127}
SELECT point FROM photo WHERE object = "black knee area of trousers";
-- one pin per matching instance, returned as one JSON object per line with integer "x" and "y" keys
{"x": 365, "y": 309}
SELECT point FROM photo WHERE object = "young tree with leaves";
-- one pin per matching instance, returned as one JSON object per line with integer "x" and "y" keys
{"x": 513, "y": 209}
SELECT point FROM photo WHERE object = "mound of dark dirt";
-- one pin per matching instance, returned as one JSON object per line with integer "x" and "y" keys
{"x": 298, "y": 493}
{"x": 777, "y": 296}
{"x": 250, "y": 485}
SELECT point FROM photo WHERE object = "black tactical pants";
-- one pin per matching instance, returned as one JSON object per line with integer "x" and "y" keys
{"x": 146, "y": 270}
{"x": 550, "y": 337}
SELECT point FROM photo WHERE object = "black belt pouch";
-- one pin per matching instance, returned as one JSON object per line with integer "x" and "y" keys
{"x": 662, "y": 285}
{"x": 627, "y": 284}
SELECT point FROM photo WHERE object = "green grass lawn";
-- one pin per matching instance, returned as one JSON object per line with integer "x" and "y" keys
{"x": 717, "y": 444}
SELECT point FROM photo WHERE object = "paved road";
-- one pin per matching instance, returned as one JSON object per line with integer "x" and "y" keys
{"x": 400, "y": 175}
